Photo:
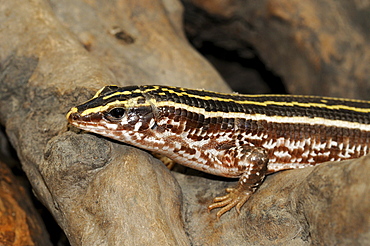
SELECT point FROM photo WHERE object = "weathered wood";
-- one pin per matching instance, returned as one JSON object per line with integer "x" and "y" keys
{"x": 317, "y": 47}
{"x": 105, "y": 193}
{"x": 322, "y": 205}
{"x": 20, "y": 223}
{"x": 47, "y": 68}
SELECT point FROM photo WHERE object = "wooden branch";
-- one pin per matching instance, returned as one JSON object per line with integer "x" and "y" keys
{"x": 105, "y": 193}
{"x": 317, "y": 47}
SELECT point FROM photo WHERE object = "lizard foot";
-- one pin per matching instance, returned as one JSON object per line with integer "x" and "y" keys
{"x": 236, "y": 198}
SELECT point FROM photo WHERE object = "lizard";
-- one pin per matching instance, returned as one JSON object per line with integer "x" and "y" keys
{"x": 230, "y": 135}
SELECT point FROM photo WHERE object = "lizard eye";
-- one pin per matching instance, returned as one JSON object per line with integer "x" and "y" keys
{"x": 116, "y": 113}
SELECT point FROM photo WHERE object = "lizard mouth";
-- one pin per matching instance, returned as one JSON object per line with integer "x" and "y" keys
{"x": 94, "y": 122}
{"x": 85, "y": 122}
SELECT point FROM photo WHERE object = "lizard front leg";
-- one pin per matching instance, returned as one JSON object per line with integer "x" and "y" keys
{"x": 252, "y": 163}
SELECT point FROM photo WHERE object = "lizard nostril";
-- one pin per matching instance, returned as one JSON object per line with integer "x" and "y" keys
{"x": 73, "y": 117}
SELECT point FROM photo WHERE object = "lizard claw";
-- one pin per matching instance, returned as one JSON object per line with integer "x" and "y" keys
{"x": 236, "y": 198}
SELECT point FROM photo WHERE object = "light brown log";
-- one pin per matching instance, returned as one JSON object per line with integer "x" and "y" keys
{"x": 55, "y": 55}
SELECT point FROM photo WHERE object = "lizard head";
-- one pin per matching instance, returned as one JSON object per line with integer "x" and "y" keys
{"x": 115, "y": 112}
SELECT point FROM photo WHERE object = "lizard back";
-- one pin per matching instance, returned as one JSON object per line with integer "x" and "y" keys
{"x": 196, "y": 127}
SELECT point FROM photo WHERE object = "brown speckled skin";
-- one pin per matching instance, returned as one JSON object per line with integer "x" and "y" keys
{"x": 230, "y": 135}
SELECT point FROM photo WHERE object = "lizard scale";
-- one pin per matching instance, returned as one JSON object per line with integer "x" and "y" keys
{"x": 230, "y": 135}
